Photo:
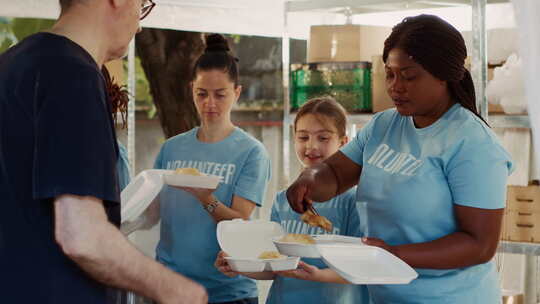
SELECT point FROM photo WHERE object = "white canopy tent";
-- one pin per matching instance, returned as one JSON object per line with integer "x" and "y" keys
{"x": 266, "y": 17}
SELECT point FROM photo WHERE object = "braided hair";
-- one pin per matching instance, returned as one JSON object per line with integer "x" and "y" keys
{"x": 217, "y": 56}
{"x": 440, "y": 49}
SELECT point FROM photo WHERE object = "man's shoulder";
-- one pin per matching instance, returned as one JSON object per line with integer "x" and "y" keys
{"x": 45, "y": 53}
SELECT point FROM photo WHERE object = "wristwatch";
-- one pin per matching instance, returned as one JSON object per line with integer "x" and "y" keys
{"x": 211, "y": 207}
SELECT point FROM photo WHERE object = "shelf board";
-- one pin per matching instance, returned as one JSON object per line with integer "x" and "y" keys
{"x": 374, "y": 6}
{"x": 519, "y": 248}
{"x": 509, "y": 121}
{"x": 495, "y": 120}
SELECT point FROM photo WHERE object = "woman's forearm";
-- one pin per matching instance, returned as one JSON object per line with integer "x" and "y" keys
{"x": 455, "y": 250}
{"x": 222, "y": 212}
{"x": 474, "y": 242}
{"x": 329, "y": 276}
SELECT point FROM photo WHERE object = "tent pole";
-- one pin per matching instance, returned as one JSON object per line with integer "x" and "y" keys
{"x": 131, "y": 107}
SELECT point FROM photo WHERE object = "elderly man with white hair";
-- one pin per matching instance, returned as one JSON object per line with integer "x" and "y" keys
{"x": 59, "y": 193}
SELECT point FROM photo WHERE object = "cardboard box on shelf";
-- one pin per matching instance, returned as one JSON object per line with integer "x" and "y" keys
{"x": 513, "y": 299}
{"x": 495, "y": 108}
{"x": 522, "y": 214}
{"x": 523, "y": 199}
{"x": 342, "y": 43}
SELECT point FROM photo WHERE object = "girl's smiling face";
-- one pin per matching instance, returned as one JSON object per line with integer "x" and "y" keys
{"x": 316, "y": 138}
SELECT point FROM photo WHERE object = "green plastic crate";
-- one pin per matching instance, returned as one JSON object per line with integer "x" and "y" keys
{"x": 349, "y": 83}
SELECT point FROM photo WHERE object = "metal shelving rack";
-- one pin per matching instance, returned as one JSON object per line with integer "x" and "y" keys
{"x": 478, "y": 71}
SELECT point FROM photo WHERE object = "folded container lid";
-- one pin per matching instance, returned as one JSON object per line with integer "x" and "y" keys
{"x": 247, "y": 239}
{"x": 362, "y": 264}
{"x": 140, "y": 193}
{"x": 195, "y": 181}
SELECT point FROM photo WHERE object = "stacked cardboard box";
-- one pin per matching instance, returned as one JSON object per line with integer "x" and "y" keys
{"x": 522, "y": 214}
{"x": 345, "y": 43}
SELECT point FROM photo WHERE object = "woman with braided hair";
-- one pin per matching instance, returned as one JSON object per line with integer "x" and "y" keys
{"x": 431, "y": 171}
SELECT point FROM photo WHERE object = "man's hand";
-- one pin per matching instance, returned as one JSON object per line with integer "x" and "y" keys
{"x": 188, "y": 292}
{"x": 85, "y": 235}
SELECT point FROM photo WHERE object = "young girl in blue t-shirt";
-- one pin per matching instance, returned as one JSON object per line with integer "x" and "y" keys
{"x": 319, "y": 131}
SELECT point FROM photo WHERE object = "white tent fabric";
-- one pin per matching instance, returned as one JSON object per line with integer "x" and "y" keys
{"x": 259, "y": 17}
{"x": 526, "y": 12}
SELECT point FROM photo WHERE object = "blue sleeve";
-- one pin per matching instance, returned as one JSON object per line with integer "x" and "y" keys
{"x": 354, "y": 150}
{"x": 254, "y": 177}
{"x": 477, "y": 175}
{"x": 122, "y": 166}
{"x": 274, "y": 215}
{"x": 158, "y": 163}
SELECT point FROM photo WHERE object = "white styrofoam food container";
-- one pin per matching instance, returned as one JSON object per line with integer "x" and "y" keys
{"x": 140, "y": 192}
{"x": 244, "y": 241}
{"x": 362, "y": 264}
{"x": 187, "y": 180}
{"x": 311, "y": 251}
{"x": 260, "y": 265}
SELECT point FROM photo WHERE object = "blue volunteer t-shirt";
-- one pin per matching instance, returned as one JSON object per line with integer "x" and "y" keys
{"x": 122, "y": 167}
{"x": 343, "y": 214}
{"x": 188, "y": 243}
{"x": 411, "y": 179}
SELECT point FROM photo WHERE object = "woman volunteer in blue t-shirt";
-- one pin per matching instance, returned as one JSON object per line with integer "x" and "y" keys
{"x": 189, "y": 216}
{"x": 431, "y": 171}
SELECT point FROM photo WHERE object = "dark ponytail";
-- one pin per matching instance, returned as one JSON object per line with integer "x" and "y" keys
{"x": 217, "y": 56}
{"x": 440, "y": 49}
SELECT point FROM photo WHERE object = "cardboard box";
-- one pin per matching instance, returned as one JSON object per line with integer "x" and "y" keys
{"x": 523, "y": 199}
{"x": 522, "y": 214}
{"x": 342, "y": 43}
{"x": 495, "y": 108}
{"x": 513, "y": 299}
{"x": 380, "y": 100}
{"x": 521, "y": 226}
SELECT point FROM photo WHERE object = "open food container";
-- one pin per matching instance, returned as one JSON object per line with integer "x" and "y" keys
{"x": 310, "y": 250}
{"x": 244, "y": 241}
{"x": 172, "y": 178}
{"x": 351, "y": 259}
